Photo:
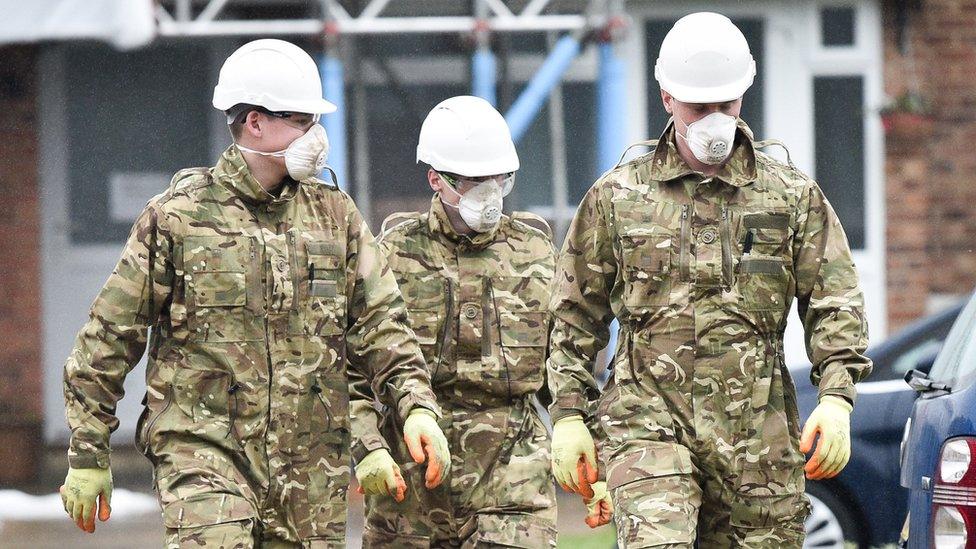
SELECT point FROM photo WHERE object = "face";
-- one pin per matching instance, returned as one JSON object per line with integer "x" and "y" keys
{"x": 267, "y": 131}
{"x": 689, "y": 113}
{"x": 461, "y": 185}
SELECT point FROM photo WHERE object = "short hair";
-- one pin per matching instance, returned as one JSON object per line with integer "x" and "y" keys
{"x": 236, "y": 116}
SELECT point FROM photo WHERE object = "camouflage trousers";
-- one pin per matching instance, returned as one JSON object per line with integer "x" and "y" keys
{"x": 698, "y": 451}
{"x": 235, "y": 535}
{"x": 499, "y": 491}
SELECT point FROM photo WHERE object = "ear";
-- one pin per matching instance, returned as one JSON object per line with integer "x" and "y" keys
{"x": 668, "y": 100}
{"x": 434, "y": 180}
{"x": 253, "y": 124}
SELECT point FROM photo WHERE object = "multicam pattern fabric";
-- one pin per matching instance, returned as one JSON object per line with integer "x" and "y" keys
{"x": 478, "y": 306}
{"x": 700, "y": 418}
{"x": 257, "y": 304}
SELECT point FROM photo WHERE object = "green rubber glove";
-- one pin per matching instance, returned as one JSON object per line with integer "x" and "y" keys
{"x": 832, "y": 420}
{"x": 599, "y": 508}
{"x": 572, "y": 446}
{"x": 81, "y": 490}
{"x": 425, "y": 441}
{"x": 379, "y": 475}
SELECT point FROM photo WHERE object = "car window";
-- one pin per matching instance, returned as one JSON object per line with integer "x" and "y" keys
{"x": 956, "y": 365}
{"x": 909, "y": 358}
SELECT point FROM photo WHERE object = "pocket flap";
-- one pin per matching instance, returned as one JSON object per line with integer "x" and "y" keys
{"x": 513, "y": 530}
{"x": 524, "y": 329}
{"x": 219, "y": 289}
{"x": 761, "y": 264}
{"x": 206, "y": 510}
{"x": 647, "y": 254}
{"x": 425, "y": 324}
{"x": 774, "y": 220}
{"x": 655, "y": 459}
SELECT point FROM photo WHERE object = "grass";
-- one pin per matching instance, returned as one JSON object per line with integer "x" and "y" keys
{"x": 601, "y": 538}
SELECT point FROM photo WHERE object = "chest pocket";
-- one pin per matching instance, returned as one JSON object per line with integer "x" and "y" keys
{"x": 325, "y": 284}
{"x": 646, "y": 241}
{"x": 426, "y": 295}
{"x": 217, "y": 278}
{"x": 764, "y": 267}
{"x": 520, "y": 326}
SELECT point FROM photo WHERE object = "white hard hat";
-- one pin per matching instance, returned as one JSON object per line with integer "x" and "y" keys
{"x": 705, "y": 59}
{"x": 466, "y": 136}
{"x": 273, "y": 74}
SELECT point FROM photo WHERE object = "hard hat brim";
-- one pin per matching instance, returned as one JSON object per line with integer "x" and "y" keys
{"x": 716, "y": 94}
{"x": 320, "y": 106}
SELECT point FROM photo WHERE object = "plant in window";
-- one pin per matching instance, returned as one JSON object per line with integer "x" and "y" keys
{"x": 908, "y": 114}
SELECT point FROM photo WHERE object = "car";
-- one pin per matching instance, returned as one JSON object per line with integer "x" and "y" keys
{"x": 865, "y": 504}
{"x": 938, "y": 468}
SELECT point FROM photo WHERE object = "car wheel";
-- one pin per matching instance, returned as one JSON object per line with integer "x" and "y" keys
{"x": 830, "y": 523}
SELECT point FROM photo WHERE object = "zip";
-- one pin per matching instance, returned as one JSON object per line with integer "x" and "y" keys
{"x": 726, "y": 248}
{"x": 446, "y": 329}
{"x": 168, "y": 401}
{"x": 685, "y": 243}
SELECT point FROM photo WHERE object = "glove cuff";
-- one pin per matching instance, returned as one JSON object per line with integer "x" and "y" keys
{"x": 837, "y": 401}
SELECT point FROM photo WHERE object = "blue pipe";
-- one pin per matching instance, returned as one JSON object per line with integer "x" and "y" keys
{"x": 611, "y": 121}
{"x": 526, "y": 107}
{"x": 334, "y": 90}
{"x": 611, "y": 108}
{"x": 483, "y": 75}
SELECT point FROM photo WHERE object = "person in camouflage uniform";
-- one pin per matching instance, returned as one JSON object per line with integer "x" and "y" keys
{"x": 259, "y": 297}
{"x": 698, "y": 248}
{"x": 477, "y": 301}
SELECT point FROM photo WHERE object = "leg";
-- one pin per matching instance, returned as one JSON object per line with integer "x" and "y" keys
{"x": 657, "y": 512}
{"x": 229, "y": 535}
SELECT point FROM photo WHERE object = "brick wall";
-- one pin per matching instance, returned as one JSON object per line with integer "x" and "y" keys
{"x": 21, "y": 382}
{"x": 931, "y": 174}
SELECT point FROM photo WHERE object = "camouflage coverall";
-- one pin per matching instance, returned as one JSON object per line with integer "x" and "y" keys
{"x": 257, "y": 303}
{"x": 478, "y": 306}
{"x": 700, "y": 418}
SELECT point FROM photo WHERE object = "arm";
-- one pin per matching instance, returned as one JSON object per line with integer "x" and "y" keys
{"x": 829, "y": 298}
{"x": 114, "y": 338}
{"x": 380, "y": 344}
{"x": 580, "y": 307}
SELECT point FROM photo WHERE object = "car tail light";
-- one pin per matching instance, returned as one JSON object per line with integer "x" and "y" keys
{"x": 954, "y": 496}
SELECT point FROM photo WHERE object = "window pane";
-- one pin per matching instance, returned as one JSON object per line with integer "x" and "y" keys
{"x": 839, "y": 122}
{"x": 135, "y": 119}
{"x": 837, "y": 26}
{"x": 752, "y": 103}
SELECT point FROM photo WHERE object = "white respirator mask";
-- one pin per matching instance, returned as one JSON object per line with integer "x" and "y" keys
{"x": 305, "y": 157}
{"x": 481, "y": 207}
{"x": 711, "y": 138}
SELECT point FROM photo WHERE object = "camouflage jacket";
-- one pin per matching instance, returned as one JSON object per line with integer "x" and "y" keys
{"x": 257, "y": 304}
{"x": 656, "y": 245}
{"x": 478, "y": 307}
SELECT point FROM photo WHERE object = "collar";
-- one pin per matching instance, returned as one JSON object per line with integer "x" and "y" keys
{"x": 440, "y": 225}
{"x": 232, "y": 171}
{"x": 739, "y": 170}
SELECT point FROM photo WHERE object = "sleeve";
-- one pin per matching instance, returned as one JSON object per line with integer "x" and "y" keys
{"x": 364, "y": 418}
{"x": 829, "y": 298}
{"x": 113, "y": 340}
{"x": 379, "y": 342}
{"x": 580, "y": 307}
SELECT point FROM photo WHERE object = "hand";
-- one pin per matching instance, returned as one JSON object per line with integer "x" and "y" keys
{"x": 832, "y": 419}
{"x": 599, "y": 508}
{"x": 81, "y": 489}
{"x": 573, "y": 456}
{"x": 425, "y": 440}
{"x": 379, "y": 475}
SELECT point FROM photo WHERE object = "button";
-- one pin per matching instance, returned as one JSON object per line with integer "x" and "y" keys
{"x": 707, "y": 236}
{"x": 280, "y": 264}
{"x": 471, "y": 310}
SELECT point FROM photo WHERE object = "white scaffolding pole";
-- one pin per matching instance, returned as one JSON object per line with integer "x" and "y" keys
{"x": 369, "y": 21}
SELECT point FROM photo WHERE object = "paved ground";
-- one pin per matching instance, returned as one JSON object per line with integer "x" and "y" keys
{"x": 145, "y": 531}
